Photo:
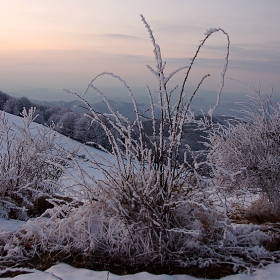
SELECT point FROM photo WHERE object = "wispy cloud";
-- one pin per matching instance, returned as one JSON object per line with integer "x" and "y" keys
{"x": 107, "y": 1}
{"x": 248, "y": 65}
{"x": 176, "y": 28}
{"x": 267, "y": 66}
{"x": 34, "y": 64}
{"x": 120, "y": 36}
{"x": 265, "y": 51}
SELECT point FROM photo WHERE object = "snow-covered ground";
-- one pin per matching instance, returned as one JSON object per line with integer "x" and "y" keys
{"x": 10, "y": 225}
{"x": 64, "y": 271}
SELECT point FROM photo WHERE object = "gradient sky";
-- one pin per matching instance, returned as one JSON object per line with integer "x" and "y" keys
{"x": 64, "y": 43}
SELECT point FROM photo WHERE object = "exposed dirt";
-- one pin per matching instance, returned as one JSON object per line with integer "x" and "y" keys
{"x": 99, "y": 263}
{"x": 12, "y": 274}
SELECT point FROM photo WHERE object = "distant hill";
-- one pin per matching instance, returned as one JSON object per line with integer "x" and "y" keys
{"x": 46, "y": 94}
{"x": 121, "y": 102}
{"x": 125, "y": 108}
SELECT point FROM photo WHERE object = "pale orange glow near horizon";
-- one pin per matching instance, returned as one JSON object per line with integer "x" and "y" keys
{"x": 58, "y": 44}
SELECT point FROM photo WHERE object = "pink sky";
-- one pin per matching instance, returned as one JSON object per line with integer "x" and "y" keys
{"x": 64, "y": 43}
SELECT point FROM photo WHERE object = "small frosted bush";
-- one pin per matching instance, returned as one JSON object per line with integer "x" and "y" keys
{"x": 26, "y": 165}
{"x": 250, "y": 148}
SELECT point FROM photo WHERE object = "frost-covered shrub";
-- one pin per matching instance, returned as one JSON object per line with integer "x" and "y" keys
{"x": 250, "y": 148}
{"x": 11, "y": 106}
{"x": 91, "y": 133}
{"x": 26, "y": 165}
{"x": 3, "y": 98}
{"x": 151, "y": 205}
{"x": 66, "y": 124}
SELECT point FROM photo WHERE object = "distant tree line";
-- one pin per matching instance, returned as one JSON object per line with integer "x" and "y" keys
{"x": 77, "y": 126}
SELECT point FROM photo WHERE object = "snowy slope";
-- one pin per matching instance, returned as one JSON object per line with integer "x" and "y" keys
{"x": 67, "y": 143}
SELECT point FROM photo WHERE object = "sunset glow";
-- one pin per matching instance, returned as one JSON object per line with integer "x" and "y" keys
{"x": 58, "y": 44}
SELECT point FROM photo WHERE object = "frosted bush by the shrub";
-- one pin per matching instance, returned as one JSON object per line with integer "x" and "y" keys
{"x": 250, "y": 147}
{"x": 26, "y": 169}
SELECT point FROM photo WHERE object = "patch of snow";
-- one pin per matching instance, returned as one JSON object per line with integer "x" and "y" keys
{"x": 66, "y": 272}
{"x": 10, "y": 225}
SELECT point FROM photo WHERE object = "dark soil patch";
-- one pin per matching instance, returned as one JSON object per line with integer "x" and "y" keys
{"x": 214, "y": 271}
{"x": 103, "y": 263}
{"x": 43, "y": 203}
{"x": 12, "y": 274}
